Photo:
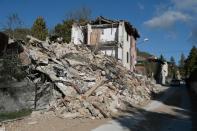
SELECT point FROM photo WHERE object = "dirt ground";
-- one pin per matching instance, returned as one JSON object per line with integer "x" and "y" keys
{"x": 48, "y": 122}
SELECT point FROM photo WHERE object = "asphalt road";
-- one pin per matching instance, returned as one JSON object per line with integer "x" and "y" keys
{"x": 174, "y": 111}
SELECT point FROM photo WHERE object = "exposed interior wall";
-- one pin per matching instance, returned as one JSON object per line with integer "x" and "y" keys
{"x": 108, "y": 34}
{"x": 126, "y": 52}
{"x": 98, "y": 36}
{"x": 101, "y": 35}
{"x": 77, "y": 36}
{"x": 110, "y": 51}
{"x": 95, "y": 36}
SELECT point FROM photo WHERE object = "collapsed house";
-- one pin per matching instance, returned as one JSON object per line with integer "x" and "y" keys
{"x": 153, "y": 68}
{"x": 111, "y": 37}
{"x": 71, "y": 81}
{"x": 160, "y": 72}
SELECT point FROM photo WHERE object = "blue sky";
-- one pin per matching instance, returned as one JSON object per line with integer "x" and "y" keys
{"x": 168, "y": 24}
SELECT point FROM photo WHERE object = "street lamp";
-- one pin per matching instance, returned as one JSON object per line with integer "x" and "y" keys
{"x": 143, "y": 41}
{"x": 146, "y": 39}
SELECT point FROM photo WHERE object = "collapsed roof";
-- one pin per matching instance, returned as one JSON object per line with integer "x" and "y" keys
{"x": 129, "y": 28}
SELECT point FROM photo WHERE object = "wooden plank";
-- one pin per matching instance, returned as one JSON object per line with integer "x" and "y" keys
{"x": 90, "y": 91}
{"x": 101, "y": 110}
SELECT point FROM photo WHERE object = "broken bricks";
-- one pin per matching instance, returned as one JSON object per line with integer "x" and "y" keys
{"x": 89, "y": 85}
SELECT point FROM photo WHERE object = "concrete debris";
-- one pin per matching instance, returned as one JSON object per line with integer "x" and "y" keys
{"x": 2, "y": 127}
{"x": 83, "y": 84}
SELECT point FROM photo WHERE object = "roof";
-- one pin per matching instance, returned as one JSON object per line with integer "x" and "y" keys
{"x": 102, "y": 20}
{"x": 129, "y": 28}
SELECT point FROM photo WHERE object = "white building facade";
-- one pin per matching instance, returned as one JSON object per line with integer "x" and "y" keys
{"x": 113, "y": 38}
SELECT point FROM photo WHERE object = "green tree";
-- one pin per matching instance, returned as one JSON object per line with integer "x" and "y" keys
{"x": 162, "y": 58}
{"x": 172, "y": 61}
{"x": 143, "y": 54}
{"x": 172, "y": 68}
{"x": 191, "y": 62}
{"x": 81, "y": 16}
{"x": 182, "y": 60}
{"x": 181, "y": 65}
{"x": 64, "y": 30}
{"x": 39, "y": 29}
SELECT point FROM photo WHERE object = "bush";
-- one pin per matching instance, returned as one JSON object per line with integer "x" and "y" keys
{"x": 39, "y": 28}
{"x": 14, "y": 115}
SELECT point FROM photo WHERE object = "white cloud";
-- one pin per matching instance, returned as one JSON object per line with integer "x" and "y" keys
{"x": 167, "y": 15}
{"x": 167, "y": 19}
{"x": 185, "y": 5}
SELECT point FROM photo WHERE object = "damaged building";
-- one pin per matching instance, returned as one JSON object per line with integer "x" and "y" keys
{"x": 111, "y": 37}
{"x": 68, "y": 80}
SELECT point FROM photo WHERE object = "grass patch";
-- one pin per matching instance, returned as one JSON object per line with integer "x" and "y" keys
{"x": 14, "y": 115}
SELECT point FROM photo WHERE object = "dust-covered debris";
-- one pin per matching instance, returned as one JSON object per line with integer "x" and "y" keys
{"x": 81, "y": 83}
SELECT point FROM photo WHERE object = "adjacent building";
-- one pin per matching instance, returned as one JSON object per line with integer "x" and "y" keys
{"x": 111, "y": 37}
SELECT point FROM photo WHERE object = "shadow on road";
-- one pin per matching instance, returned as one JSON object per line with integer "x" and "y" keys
{"x": 193, "y": 99}
{"x": 142, "y": 120}
{"x": 184, "y": 104}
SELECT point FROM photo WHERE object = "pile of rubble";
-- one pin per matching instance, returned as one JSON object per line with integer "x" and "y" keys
{"x": 81, "y": 83}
